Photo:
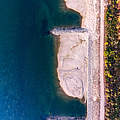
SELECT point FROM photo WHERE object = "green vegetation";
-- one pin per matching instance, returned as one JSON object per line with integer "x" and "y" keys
{"x": 112, "y": 61}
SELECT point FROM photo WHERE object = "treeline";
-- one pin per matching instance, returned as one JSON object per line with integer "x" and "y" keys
{"x": 112, "y": 61}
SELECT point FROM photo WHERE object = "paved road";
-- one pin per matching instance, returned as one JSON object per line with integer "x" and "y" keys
{"x": 102, "y": 100}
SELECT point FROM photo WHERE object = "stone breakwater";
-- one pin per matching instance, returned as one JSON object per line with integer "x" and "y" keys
{"x": 79, "y": 56}
{"x": 65, "y": 118}
{"x": 63, "y": 30}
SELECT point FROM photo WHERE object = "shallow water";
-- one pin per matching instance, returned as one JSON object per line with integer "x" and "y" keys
{"x": 29, "y": 88}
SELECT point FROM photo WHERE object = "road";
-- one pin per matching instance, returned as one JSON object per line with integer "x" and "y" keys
{"x": 102, "y": 100}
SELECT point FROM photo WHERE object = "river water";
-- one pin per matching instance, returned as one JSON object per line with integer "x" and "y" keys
{"x": 29, "y": 88}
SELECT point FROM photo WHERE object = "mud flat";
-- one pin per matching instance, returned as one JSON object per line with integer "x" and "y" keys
{"x": 79, "y": 64}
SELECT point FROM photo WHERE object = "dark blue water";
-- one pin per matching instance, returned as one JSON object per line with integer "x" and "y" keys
{"x": 29, "y": 88}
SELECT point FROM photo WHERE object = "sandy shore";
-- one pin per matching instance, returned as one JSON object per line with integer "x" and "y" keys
{"x": 72, "y": 63}
{"x": 80, "y": 69}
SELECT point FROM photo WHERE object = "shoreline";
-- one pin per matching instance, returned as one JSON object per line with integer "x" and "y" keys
{"x": 57, "y": 46}
{"x": 60, "y": 90}
{"x": 83, "y": 78}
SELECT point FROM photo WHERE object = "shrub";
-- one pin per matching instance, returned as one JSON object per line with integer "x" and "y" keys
{"x": 112, "y": 61}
